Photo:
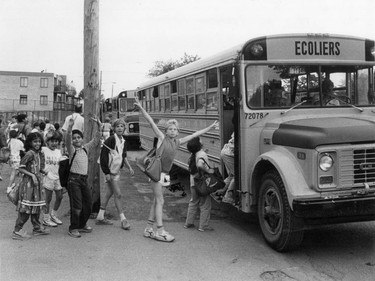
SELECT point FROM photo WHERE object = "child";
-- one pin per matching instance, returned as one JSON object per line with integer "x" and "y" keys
{"x": 202, "y": 202}
{"x": 15, "y": 146}
{"x": 78, "y": 190}
{"x": 30, "y": 197}
{"x": 51, "y": 181}
{"x": 170, "y": 145}
{"x": 116, "y": 142}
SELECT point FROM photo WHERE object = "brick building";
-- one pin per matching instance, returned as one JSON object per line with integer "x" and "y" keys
{"x": 26, "y": 91}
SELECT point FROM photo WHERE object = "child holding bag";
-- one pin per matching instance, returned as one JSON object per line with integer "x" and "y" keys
{"x": 115, "y": 142}
{"x": 170, "y": 145}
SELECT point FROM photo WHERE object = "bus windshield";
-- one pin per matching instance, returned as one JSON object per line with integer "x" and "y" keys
{"x": 281, "y": 86}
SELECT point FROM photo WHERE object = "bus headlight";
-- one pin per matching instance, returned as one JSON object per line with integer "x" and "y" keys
{"x": 325, "y": 162}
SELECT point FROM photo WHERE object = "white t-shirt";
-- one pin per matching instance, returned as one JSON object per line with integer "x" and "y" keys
{"x": 79, "y": 122}
{"x": 52, "y": 158}
{"x": 15, "y": 147}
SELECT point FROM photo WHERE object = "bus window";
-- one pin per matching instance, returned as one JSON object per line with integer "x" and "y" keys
{"x": 181, "y": 103}
{"x": 174, "y": 103}
{"x": 201, "y": 101}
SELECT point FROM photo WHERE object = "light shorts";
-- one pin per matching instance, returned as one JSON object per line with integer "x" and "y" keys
{"x": 51, "y": 184}
{"x": 14, "y": 162}
{"x": 165, "y": 179}
{"x": 114, "y": 177}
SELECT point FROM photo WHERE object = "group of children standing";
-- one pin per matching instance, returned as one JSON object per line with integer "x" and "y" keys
{"x": 40, "y": 179}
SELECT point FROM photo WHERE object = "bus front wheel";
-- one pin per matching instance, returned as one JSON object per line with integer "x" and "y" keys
{"x": 280, "y": 228}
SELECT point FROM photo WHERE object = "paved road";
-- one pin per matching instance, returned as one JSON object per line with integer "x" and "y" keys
{"x": 234, "y": 251}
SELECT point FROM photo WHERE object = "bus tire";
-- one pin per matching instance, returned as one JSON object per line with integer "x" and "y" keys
{"x": 280, "y": 228}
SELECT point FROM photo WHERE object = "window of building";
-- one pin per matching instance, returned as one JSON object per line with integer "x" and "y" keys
{"x": 43, "y": 100}
{"x": 44, "y": 82}
{"x": 24, "y": 82}
{"x": 23, "y": 99}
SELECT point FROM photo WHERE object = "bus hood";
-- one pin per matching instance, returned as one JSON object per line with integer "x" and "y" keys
{"x": 310, "y": 133}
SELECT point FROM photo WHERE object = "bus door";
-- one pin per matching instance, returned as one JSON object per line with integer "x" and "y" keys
{"x": 228, "y": 120}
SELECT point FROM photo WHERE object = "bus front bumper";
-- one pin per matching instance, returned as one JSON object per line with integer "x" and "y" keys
{"x": 335, "y": 210}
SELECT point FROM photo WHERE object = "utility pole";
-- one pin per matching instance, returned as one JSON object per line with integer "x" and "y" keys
{"x": 91, "y": 92}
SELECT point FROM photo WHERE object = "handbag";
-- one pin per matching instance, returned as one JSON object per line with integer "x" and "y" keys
{"x": 150, "y": 163}
{"x": 115, "y": 160}
{"x": 14, "y": 194}
{"x": 206, "y": 183}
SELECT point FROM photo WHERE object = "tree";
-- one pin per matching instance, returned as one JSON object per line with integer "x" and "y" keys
{"x": 162, "y": 67}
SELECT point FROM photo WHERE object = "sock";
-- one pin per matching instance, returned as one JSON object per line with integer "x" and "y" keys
{"x": 122, "y": 217}
{"x": 46, "y": 216}
{"x": 150, "y": 223}
{"x": 100, "y": 214}
{"x": 160, "y": 228}
{"x": 54, "y": 213}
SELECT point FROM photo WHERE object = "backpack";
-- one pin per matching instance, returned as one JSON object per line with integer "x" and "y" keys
{"x": 64, "y": 168}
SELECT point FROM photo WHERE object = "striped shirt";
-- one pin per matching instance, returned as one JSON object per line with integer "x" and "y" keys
{"x": 81, "y": 162}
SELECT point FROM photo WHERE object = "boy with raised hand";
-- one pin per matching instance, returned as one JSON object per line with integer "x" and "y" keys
{"x": 78, "y": 189}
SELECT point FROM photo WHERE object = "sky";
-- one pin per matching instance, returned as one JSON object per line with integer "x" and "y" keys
{"x": 38, "y": 35}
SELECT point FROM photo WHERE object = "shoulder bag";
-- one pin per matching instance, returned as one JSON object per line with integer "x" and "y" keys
{"x": 206, "y": 183}
{"x": 115, "y": 160}
{"x": 150, "y": 163}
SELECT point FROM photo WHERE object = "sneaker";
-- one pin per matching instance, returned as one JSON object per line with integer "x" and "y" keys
{"x": 20, "y": 235}
{"x": 189, "y": 225}
{"x": 104, "y": 222}
{"x": 74, "y": 233}
{"x": 149, "y": 232}
{"x": 56, "y": 220}
{"x": 164, "y": 236}
{"x": 125, "y": 224}
{"x": 86, "y": 229}
{"x": 207, "y": 228}
{"x": 49, "y": 222}
{"x": 41, "y": 231}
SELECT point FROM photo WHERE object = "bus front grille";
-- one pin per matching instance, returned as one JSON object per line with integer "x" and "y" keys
{"x": 357, "y": 167}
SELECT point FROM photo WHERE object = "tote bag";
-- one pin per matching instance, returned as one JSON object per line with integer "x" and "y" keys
{"x": 115, "y": 160}
{"x": 206, "y": 183}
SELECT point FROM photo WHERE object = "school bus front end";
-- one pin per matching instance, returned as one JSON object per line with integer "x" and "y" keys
{"x": 307, "y": 133}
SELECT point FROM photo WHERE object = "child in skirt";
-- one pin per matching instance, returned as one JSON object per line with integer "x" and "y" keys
{"x": 170, "y": 146}
{"x": 31, "y": 198}
{"x": 116, "y": 142}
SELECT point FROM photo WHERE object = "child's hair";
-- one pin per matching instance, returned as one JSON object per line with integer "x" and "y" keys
{"x": 193, "y": 145}
{"x": 170, "y": 123}
{"x": 13, "y": 134}
{"x": 53, "y": 136}
{"x": 21, "y": 117}
{"x": 76, "y": 131}
{"x": 29, "y": 139}
{"x": 119, "y": 121}
{"x": 57, "y": 126}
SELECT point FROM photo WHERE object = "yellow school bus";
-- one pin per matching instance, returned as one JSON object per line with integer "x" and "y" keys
{"x": 301, "y": 107}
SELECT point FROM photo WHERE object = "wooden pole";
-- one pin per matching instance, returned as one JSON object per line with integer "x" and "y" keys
{"x": 91, "y": 91}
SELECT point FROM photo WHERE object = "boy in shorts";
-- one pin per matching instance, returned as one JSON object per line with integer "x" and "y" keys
{"x": 51, "y": 182}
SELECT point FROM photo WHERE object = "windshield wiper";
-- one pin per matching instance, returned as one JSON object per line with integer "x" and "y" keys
{"x": 293, "y": 107}
{"x": 355, "y": 107}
